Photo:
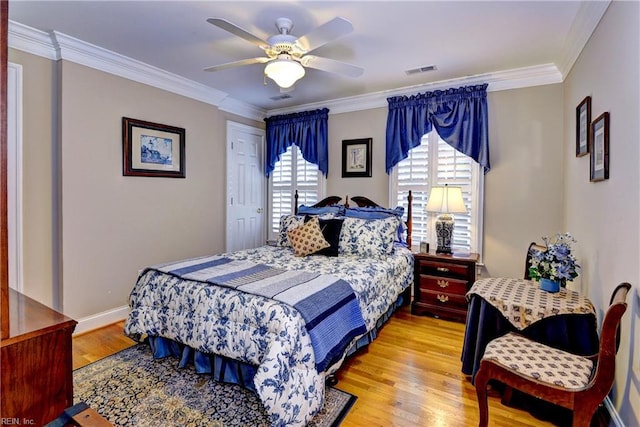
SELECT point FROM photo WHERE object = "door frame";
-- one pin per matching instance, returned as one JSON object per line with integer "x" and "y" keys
{"x": 14, "y": 176}
{"x": 231, "y": 126}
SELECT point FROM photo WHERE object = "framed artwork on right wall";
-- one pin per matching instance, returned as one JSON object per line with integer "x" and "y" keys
{"x": 600, "y": 148}
{"x": 583, "y": 121}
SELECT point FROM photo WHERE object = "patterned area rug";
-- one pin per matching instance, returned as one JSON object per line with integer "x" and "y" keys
{"x": 131, "y": 388}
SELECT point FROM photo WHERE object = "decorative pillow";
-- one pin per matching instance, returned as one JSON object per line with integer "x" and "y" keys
{"x": 370, "y": 238}
{"x": 331, "y": 231}
{"x": 307, "y": 238}
{"x": 336, "y": 210}
{"x": 288, "y": 222}
{"x": 370, "y": 212}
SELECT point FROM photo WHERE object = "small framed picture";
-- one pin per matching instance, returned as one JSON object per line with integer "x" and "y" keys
{"x": 152, "y": 149}
{"x": 356, "y": 158}
{"x": 600, "y": 148}
{"x": 583, "y": 121}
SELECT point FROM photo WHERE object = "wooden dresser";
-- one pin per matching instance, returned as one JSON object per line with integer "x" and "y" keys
{"x": 440, "y": 284}
{"x": 36, "y": 360}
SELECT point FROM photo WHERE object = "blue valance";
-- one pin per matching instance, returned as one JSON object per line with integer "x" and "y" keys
{"x": 307, "y": 130}
{"x": 459, "y": 116}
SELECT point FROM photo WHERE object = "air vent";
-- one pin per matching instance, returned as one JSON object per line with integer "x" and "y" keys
{"x": 280, "y": 97}
{"x": 421, "y": 70}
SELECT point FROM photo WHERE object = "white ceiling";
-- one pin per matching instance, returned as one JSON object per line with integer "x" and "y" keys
{"x": 461, "y": 38}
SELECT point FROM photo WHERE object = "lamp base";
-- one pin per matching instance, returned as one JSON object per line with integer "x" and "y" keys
{"x": 444, "y": 231}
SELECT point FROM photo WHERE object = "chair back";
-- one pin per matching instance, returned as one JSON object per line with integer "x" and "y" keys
{"x": 610, "y": 340}
{"x": 527, "y": 263}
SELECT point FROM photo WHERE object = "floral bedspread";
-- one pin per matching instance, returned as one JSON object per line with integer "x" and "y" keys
{"x": 261, "y": 331}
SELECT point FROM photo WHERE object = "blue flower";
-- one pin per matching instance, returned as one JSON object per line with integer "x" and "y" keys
{"x": 556, "y": 262}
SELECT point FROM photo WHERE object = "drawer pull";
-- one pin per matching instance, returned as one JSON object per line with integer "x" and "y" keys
{"x": 443, "y": 269}
{"x": 443, "y": 283}
{"x": 443, "y": 298}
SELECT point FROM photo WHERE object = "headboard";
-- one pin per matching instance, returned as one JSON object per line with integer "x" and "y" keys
{"x": 364, "y": 202}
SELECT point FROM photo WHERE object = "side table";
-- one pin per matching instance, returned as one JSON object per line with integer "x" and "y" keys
{"x": 441, "y": 282}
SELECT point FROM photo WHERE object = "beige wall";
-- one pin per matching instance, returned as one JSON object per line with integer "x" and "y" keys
{"x": 355, "y": 125}
{"x": 523, "y": 189}
{"x": 37, "y": 169}
{"x": 110, "y": 226}
{"x": 604, "y": 216}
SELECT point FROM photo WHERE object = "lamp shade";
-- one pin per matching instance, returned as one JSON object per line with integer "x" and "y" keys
{"x": 445, "y": 199}
{"x": 285, "y": 72}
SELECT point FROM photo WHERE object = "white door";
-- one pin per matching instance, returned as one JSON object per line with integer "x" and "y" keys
{"x": 246, "y": 187}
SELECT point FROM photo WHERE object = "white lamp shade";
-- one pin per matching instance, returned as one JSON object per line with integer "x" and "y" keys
{"x": 285, "y": 72}
{"x": 445, "y": 199}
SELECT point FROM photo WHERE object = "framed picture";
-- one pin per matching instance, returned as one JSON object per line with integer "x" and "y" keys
{"x": 356, "y": 158}
{"x": 152, "y": 149}
{"x": 583, "y": 121}
{"x": 600, "y": 148}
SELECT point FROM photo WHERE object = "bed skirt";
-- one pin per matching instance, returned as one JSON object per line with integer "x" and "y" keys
{"x": 224, "y": 369}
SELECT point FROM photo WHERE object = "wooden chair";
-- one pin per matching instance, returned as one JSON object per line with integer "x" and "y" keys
{"x": 527, "y": 262}
{"x": 574, "y": 382}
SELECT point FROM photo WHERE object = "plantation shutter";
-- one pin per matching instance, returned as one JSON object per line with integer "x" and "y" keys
{"x": 434, "y": 162}
{"x": 291, "y": 173}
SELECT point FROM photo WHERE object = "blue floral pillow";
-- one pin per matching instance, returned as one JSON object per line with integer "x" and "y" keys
{"x": 368, "y": 238}
{"x": 366, "y": 212}
{"x": 288, "y": 222}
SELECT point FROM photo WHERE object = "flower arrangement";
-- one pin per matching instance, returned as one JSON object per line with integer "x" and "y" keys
{"x": 556, "y": 263}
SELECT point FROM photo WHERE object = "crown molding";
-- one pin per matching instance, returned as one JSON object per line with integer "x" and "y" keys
{"x": 501, "y": 80}
{"x": 56, "y": 46}
{"x": 242, "y": 109}
{"x": 83, "y": 53}
{"x": 585, "y": 23}
{"x": 30, "y": 40}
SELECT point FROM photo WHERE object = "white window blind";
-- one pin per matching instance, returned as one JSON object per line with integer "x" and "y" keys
{"x": 292, "y": 173}
{"x": 435, "y": 162}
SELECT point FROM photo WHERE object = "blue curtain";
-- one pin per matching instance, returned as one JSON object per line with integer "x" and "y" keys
{"x": 458, "y": 115}
{"x": 307, "y": 130}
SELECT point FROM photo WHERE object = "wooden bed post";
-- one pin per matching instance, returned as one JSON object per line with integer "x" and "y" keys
{"x": 295, "y": 201}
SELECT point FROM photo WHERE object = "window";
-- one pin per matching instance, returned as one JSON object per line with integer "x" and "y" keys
{"x": 292, "y": 173}
{"x": 435, "y": 162}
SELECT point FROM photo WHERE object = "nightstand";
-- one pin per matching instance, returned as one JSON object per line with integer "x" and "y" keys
{"x": 440, "y": 284}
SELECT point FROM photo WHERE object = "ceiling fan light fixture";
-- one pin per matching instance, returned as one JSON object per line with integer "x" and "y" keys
{"x": 285, "y": 72}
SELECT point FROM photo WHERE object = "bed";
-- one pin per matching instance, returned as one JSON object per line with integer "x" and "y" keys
{"x": 280, "y": 319}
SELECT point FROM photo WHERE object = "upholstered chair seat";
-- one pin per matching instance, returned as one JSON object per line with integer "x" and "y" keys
{"x": 540, "y": 362}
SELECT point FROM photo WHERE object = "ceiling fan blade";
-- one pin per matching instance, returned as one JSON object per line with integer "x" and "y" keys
{"x": 259, "y": 60}
{"x": 330, "y": 65}
{"x": 237, "y": 31}
{"x": 325, "y": 33}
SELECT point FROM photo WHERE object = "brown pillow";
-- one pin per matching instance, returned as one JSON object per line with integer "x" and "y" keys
{"x": 307, "y": 238}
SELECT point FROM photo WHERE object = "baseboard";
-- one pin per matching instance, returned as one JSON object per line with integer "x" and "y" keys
{"x": 101, "y": 319}
{"x": 615, "y": 417}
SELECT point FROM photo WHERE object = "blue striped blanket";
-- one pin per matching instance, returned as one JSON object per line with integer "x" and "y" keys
{"x": 327, "y": 304}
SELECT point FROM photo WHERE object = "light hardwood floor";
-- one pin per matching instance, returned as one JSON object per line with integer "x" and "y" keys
{"x": 409, "y": 376}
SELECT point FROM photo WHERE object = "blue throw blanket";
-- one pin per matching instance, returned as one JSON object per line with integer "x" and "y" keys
{"x": 327, "y": 304}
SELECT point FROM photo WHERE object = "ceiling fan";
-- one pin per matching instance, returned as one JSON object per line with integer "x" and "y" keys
{"x": 288, "y": 55}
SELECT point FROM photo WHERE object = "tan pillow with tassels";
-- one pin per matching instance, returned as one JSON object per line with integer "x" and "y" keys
{"x": 307, "y": 239}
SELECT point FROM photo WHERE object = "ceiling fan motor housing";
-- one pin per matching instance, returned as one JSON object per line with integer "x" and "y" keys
{"x": 281, "y": 43}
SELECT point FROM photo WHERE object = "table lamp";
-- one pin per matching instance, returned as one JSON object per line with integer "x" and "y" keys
{"x": 445, "y": 200}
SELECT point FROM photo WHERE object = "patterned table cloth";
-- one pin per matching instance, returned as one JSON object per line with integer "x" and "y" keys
{"x": 523, "y": 303}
